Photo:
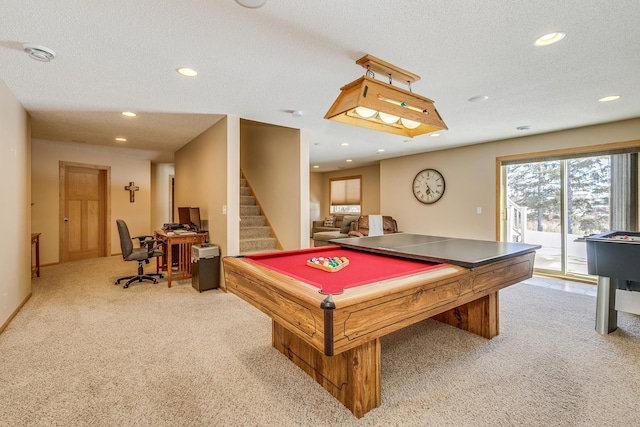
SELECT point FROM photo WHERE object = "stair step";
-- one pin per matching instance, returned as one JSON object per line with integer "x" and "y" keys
{"x": 243, "y": 182}
{"x": 264, "y": 251}
{"x": 245, "y": 191}
{"x": 249, "y": 210}
{"x": 254, "y": 232}
{"x": 252, "y": 221}
{"x": 247, "y": 201}
{"x": 252, "y": 245}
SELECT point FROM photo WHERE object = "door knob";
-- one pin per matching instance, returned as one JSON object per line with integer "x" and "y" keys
{"x": 66, "y": 220}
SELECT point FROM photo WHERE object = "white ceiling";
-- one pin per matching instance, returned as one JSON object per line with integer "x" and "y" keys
{"x": 260, "y": 64}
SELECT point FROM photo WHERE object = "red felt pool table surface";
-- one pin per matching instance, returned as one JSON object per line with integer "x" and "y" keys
{"x": 363, "y": 267}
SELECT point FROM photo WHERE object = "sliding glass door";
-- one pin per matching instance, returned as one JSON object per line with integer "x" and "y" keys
{"x": 588, "y": 207}
{"x": 557, "y": 202}
{"x": 533, "y": 200}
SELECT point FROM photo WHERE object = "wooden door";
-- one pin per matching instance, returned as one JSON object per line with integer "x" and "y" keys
{"x": 84, "y": 218}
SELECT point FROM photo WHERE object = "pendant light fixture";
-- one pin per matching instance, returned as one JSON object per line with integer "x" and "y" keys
{"x": 374, "y": 104}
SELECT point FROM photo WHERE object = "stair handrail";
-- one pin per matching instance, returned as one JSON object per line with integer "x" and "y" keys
{"x": 516, "y": 222}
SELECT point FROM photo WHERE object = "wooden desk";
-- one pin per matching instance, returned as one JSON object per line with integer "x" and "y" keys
{"x": 35, "y": 241}
{"x": 177, "y": 254}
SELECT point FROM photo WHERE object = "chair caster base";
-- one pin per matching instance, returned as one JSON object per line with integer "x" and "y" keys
{"x": 139, "y": 278}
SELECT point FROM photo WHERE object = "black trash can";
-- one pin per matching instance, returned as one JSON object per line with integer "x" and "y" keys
{"x": 205, "y": 267}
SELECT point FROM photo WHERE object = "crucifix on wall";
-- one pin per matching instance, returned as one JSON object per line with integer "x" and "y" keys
{"x": 131, "y": 188}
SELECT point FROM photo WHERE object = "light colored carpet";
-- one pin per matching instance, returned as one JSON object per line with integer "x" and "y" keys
{"x": 85, "y": 352}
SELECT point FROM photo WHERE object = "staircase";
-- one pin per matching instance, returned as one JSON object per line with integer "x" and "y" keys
{"x": 255, "y": 233}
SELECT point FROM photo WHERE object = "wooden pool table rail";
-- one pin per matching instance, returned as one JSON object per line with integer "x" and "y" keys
{"x": 345, "y": 359}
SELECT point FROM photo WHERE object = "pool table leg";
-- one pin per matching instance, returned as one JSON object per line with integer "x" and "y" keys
{"x": 352, "y": 377}
{"x": 480, "y": 316}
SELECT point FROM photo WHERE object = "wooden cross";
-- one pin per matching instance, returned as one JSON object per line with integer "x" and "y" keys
{"x": 131, "y": 188}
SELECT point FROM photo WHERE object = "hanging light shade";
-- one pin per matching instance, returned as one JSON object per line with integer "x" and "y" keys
{"x": 409, "y": 124}
{"x": 365, "y": 112}
{"x": 388, "y": 118}
{"x": 373, "y": 104}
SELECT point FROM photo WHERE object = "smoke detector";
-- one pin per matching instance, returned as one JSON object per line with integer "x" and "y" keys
{"x": 39, "y": 53}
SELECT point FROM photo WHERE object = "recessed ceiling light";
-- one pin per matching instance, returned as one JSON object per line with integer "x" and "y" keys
{"x": 349, "y": 160}
{"x": 345, "y": 144}
{"x": 609, "y": 98}
{"x": 478, "y": 98}
{"x": 187, "y": 72}
{"x": 121, "y": 139}
{"x": 251, "y": 4}
{"x": 381, "y": 150}
{"x": 129, "y": 114}
{"x": 39, "y": 53}
{"x": 550, "y": 38}
{"x": 316, "y": 166}
{"x": 434, "y": 134}
{"x": 296, "y": 113}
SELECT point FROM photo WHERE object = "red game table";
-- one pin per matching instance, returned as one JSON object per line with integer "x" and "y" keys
{"x": 330, "y": 323}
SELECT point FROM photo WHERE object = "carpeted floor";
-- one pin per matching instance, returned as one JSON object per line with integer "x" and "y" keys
{"x": 85, "y": 352}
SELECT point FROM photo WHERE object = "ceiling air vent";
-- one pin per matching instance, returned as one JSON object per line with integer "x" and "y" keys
{"x": 39, "y": 53}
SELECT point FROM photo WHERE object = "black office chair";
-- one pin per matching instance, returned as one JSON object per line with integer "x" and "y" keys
{"x": 149, "y": 248}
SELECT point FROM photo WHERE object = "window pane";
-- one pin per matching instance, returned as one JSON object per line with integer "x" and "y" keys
{"x": 351, "y": 209}
{"x": 588, "y": 206}
{"x": 533, "y": 191}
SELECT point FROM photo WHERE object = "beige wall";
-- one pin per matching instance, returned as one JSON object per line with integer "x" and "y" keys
{"x": 270, "y": 159}
{"x": 161, "y": 174}
{"x": 370, "y": 190}
{"x": 15, "y": 210}
{"x": 470, "y": 174}
{"x": 305, "y": 185}
{"x": 126, "y": 165}
{"x": 201, "y": 180}
{"x": 316, "y": 184}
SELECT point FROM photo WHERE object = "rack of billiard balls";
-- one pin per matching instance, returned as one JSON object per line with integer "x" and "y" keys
{"x": 330, "y": 264}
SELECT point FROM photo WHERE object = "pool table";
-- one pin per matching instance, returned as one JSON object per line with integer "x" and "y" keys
{"x": 330, "y": 323}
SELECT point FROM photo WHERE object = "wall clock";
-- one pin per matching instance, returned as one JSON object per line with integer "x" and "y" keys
{"x": 428, "y": 186}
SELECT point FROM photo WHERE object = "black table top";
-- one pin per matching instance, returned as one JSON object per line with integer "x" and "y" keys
{"x": 463, "y": 252}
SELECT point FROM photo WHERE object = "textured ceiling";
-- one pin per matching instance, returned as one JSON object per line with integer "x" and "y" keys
{"x": 260, "y": 64}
